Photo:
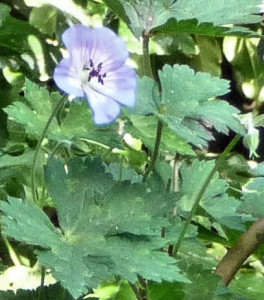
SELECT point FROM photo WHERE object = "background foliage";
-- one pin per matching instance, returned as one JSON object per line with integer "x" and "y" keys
{"x": 146, "y": 207}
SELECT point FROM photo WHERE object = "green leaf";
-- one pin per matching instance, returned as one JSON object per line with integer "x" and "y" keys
{"x": 48, "y": 292}
{"x": 126, "y": 173}
{"x": 106, "y": 228}
{"x": 185, "y": 104}
{"x": 72, "y": 193}
{"x": 149, "y": 14}
{"x": 145, "y": 129}
{"x": 259, "y": 170}
{"x": 147, "y": 96}
{"x": 14, "y": 36}
{"x": 248, "y": 278}
{"x": 24, "y": 229}
{"x": 78, "y": 122}
{"x": 166, "y": 290}
{"x": 19, "y": 167}
{"x": 35, "y": 118}
{"x": 193, "y": 26}
{"x": 216, "y": 201}
{"x": 4, "y": 12}
{"x": 253, "y": 198}
{"x": 44, "y": 18}
{"x": 219, "y": 12}
{"x": 114, "y": 290}
{"x": 206, "y": 285}
{"x": 210, "y": 56}
{"x": 236, "y": 170}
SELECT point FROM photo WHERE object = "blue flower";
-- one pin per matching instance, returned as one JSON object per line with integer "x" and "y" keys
{"x": 96, "y": 69}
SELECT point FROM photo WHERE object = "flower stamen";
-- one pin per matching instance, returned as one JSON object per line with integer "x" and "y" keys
{"x": 95, "y": 72}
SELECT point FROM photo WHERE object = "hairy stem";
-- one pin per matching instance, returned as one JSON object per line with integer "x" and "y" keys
{"x": 238, "y": 254}
{"x": 199, "y": 196}
{"x": 53, "y": 114}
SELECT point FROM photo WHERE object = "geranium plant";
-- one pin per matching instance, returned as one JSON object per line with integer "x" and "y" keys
{"x": 131, "y": 161}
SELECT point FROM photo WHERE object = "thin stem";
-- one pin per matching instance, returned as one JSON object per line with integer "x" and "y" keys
{"x": 176, "y": 168}
{"x": 11, "y": 252}
{"x": 136, "y": 291}
{"x": 155, "y": 152}
{"x": 42, "y": 281}
{"x": 53, "y": 114}
{"x": 57, "y": 147}
{"x": 121, "y": 169}
{"x": 95, "y": 143}
{"x": 148, "y": 72}
{"x": 203, "y": 189}
{"x": 147, "y": 69}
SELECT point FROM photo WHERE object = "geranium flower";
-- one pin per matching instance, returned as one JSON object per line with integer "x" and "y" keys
{"x": 96, "y": 69}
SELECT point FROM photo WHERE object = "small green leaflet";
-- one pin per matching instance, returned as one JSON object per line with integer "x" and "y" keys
{"x": 106, "y": 228}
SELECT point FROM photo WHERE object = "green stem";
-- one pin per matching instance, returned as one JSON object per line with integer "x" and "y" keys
{"x": 53, "y": 114}
{"x": 57, "y": 147}
{"x": 95, "y": 143}
{"x": 147, "y": 70}
{"x": 136, "y": 291}
{"x": 121, "y": 169}
{"x": 202, "y": 191}
{"x": 144, "y": 284}
{"x": 11, "y": 252}
{"x": 155, "y": 152}
{"x": 42, "y": 281}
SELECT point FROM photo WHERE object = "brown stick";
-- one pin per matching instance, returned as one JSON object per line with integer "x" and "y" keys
{"x": 238, "y": 254}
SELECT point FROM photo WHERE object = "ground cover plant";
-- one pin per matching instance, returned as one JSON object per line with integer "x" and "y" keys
{"x": 131, "y": 149}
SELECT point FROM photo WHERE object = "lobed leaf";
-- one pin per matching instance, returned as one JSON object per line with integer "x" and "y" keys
{"x": 185, "y": 104}
{"x": 106, "y": 228}
{"x": 147, "y": 15}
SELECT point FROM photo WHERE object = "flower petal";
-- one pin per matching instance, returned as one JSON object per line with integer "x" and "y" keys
{"x": 66, "y": 78}
{"x": 99, "y": 44}
{"x": 120, "y": 85}
{"x": 105, "y": 110}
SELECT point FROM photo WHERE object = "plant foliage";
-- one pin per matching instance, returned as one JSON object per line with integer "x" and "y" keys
{"x": 145, "y": 207}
